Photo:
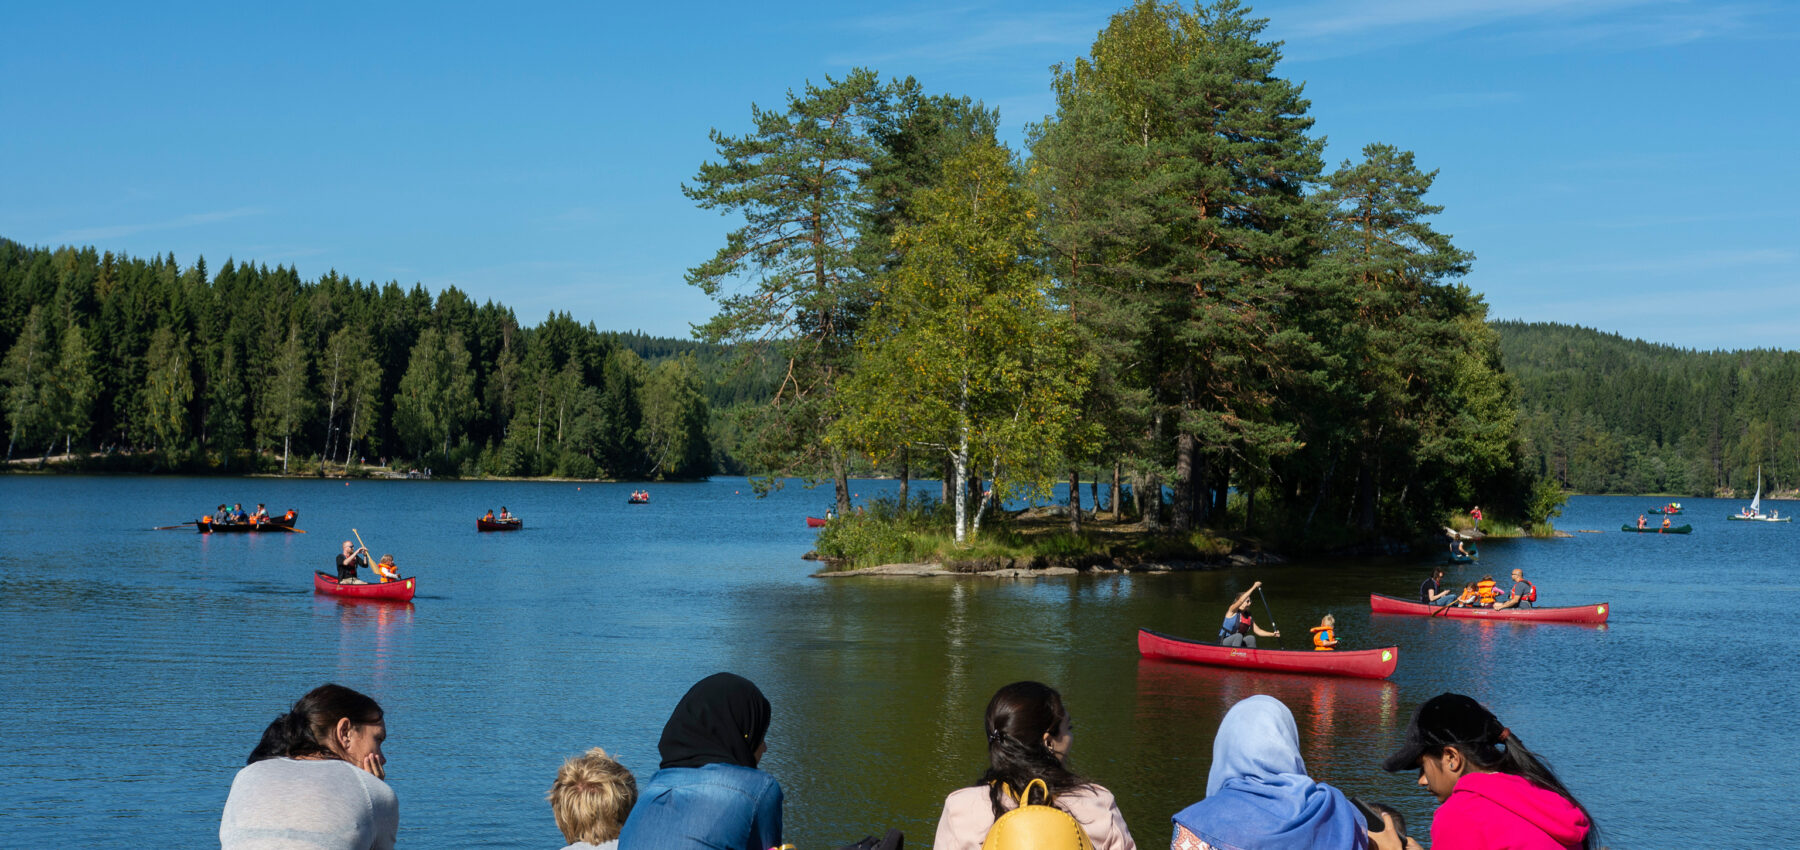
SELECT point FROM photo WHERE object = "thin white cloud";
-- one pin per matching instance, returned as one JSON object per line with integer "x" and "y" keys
{"x": 97, "y": 234}
{"x": 1333, "y": 28}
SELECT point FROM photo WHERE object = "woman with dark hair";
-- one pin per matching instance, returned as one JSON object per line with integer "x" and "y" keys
{"x": 315, "y": 780}
{"x": 1258, "y": 794}
{"x": 708, "y": 793}
{"x": 1029, "y": 733}
{"x": 1492, "y": 791}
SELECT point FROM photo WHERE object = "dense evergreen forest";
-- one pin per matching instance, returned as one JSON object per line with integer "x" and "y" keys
{"x": 157, "y": 366}
{"x": 1603, "y": 414}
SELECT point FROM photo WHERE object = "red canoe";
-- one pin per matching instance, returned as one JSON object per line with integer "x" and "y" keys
{"x": 814, "y": 522}
{"x": 1591, "y": 614}
{"x": 396, "y": 591}
{"x": 1361, "y": 663}
{"x": 513, "y": 524}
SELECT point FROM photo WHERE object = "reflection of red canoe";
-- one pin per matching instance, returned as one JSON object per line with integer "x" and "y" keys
{"x": 274, "y": 523}
{"x": 1595, "y": 614}
{"x": 814, "y": 522}
{"x": 397, "y": 591}
{"x": 1362, "y": 663}
{"x": 513, "y": 524}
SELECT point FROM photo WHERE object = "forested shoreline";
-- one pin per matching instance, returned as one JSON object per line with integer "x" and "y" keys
{"x": 149, "y": 365}
{"x": 1605, "y": 414}
{"x": 1166, "y": 291}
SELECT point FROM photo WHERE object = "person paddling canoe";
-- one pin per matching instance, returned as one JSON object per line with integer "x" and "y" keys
{"x": 353, "y": 557}
{"x": 1239, "y": 629}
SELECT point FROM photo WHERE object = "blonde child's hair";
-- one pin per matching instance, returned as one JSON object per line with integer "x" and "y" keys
{"x": 1328, "y": 620}
{"x": 591, "y": 797}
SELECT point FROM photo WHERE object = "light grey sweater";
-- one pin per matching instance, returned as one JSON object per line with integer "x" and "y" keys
{"x": 289, "y": 804}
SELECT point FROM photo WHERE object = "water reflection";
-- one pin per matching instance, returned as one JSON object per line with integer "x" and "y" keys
{"x": 1329, "y": 710}
{"x": 372, "y": 633}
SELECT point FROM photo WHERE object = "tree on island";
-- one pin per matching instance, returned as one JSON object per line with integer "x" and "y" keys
{"x": 963, "y": 353}
{"x": 797, "y": 181}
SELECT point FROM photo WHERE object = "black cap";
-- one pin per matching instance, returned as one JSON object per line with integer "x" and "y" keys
{"x": 1444, "y": 720}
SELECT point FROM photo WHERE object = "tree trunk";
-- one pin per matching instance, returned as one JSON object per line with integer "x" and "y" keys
{"x": 959, "y": 462}
{"x": 1117, "y": 494}
{"x": 905, "y": 475}
{"x": 286, "y": 440}
{"x": 1151, "y": 500}
{"x": 840, "y": 478}
{"x": 1074, "y": 501}
{"x": 1181, "y": 514}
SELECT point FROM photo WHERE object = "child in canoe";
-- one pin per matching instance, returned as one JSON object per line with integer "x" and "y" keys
{"x": 1324, "y": 635}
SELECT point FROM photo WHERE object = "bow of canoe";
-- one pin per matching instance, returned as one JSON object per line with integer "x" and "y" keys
{"x": 396, "y": 591}
{"x": 814, "y": 522}
{"x": 1362, "y": 663}
{"x": 1589, "y": 614}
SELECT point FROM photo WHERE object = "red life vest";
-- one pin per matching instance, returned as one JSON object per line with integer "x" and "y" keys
{"x": 1530, "y": 594}
{"x": 1322, "y": 635}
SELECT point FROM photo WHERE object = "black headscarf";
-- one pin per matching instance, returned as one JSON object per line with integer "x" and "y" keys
{"x": 722, "y": 719}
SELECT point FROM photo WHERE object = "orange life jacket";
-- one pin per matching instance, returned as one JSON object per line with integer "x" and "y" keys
{"x": 1530, "y": 594}
{"x": 388, "y": 572}
{"x": 1485, "y": 591}
{"x": 289, "y": 514}
{"x": 1322, "y": 635}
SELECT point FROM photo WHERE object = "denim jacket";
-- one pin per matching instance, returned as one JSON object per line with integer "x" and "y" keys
{"x": 716, "y": 807}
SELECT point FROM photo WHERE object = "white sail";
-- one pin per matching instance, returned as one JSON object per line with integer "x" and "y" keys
{"x": 1756, "y": 502}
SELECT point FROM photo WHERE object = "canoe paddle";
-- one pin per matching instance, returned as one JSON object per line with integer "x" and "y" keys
{"x": 1272, "y": 627}
{"x": 182, "y": 525}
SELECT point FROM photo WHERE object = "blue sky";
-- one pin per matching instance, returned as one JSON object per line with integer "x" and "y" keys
{"x": 1622, "y": 164}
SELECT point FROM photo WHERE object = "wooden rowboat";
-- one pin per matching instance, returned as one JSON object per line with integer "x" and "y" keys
{"x": 393, "y": 591}
{"x": 1359, "y": 663}
{"x": 1592, "y": 614}
{"x": 814, "y": 522}
{"x": 1651, "y": 529}
{"x": 284, "y": 522}
{"x": 483, "y": 524}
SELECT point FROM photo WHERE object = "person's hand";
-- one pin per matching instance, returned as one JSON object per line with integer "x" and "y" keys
{"x": 373, "y": 763}
{"x": 1255, "y": 585}
{"x": 1278, "y": 633}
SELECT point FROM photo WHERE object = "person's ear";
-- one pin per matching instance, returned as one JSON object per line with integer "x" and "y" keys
{"x": 1454, "y": 763}
{"x": 340, "y": 734}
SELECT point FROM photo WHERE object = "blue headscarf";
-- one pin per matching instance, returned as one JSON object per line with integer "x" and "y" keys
{"x": 1258, "y": 795}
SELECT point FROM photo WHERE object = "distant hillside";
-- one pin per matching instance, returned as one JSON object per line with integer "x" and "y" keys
{"x": 1605, "y": 414}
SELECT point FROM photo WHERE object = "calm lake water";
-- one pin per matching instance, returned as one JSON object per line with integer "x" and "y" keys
{"x": 140, "y": 666}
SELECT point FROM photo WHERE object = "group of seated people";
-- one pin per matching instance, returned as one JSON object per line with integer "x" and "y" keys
{"x": 319, "y": 772}
{"x": 640, "y": 495}
{"x": 1485, "y": 593}
{"x": 236, "y": 515}
{"x": 354, "y": 556}
{"x": 1644, "y": 523}
{"x": 505, "y": 515}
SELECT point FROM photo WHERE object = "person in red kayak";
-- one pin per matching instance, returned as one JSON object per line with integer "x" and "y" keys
{"x": 1239, "y": 629}
{"x": 347, "y": 563}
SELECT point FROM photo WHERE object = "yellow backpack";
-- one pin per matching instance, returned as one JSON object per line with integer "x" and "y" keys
{"x": 1036, "y": 826}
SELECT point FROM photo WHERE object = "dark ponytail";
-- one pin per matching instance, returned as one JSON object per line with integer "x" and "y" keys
{"x": 1018, "y": 718}
{"x": 1498, "y": 750}
{"x": 305, "y": 730}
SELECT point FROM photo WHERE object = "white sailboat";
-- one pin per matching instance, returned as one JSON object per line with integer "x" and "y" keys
{"x": 1754, "y": 512}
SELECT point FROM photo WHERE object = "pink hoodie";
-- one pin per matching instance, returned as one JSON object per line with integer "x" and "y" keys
{"x": 1500, "y": 811}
